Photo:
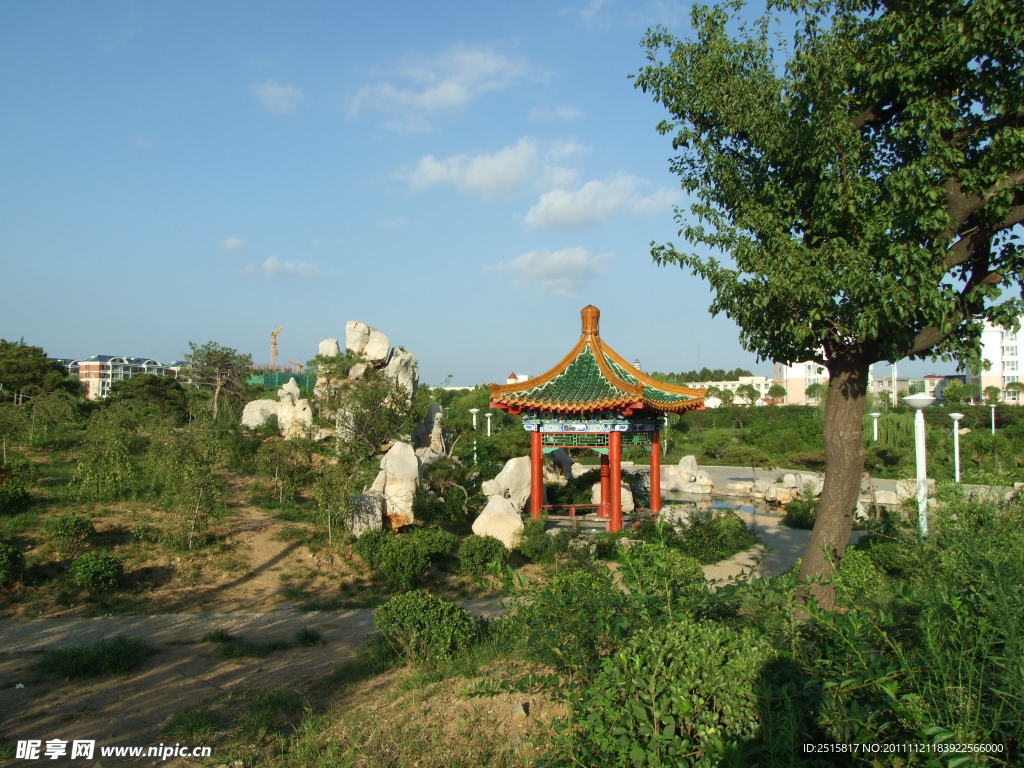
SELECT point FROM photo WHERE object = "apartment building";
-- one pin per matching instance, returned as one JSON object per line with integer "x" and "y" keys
{"x": 761, "y": 383}
{"x": 1003, "y": 349}
{"x": 99, "y": 372}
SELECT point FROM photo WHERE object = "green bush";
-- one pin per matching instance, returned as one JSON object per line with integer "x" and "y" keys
{"x": 606, "y": 545}
{"x": 70, "y": 534}
{"x": 800, "y": 514}
{"x": 426, "y": 628}
{"x": 575, "y": 620}
{"x": 437, "y": 545}
{"x": 534, "y": 544}
{"x": 13, "y": 491}
{"x": 857, "y": 576}
{"x": 478, "y": 554}
{"x": 401, "y": 562}
{"x": 117, "y": 655}
{"x": 12, "y": 563}
{"x": 370, "y": 544}
{"x": 714, "y": 537}
{"x": 683, "y": 694}
{"x": 663, "y": 578}
{"x": 97, "y": 572}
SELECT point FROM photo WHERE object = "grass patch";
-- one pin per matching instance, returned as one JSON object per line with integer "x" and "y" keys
{"x": 270, "y": 713}
{"x": 231, "y": 647}
{"x": 119, "y": 655}
{"x": 196, "y": 724}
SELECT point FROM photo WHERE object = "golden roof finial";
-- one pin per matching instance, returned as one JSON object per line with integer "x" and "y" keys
{"x": 591, "y": 316}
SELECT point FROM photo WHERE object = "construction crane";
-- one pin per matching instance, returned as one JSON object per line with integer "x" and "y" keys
{"x": 273, "y": 348}
{"x": 298, "y": 366}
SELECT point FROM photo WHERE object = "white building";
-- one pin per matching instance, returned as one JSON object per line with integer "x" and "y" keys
{"x": 99, "y": 372}
{"x": 760, "y": 383}
{"x": 1003, "y": 349}
{"x": 796, "y": 378}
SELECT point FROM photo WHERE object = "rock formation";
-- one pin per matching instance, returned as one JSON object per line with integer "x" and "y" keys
{"x": 512, "y": 482}
{"x": 428, "y": 438}
{"x": 397, "y": 481}
{"x": 365, "y": 340}
{"x": 501, "y": 520}
{"x": 294, "y": 414}
{"x": 365, "y": 512}
{"x": 627, "y": 496}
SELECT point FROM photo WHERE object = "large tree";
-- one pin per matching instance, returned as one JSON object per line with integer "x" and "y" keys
{"x": 220, "y": 368}
{"x": 26, "y": 371}
{"x": 856, "y": 194}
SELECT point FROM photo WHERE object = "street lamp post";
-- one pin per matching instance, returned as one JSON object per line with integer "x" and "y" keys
{"x": 664, "y": 441}
{"x": 919, "y": 402}
{"x": 956, "y": 444}
{"x": 993, "y": 407}
{"x": 488, "y": 416}
{"x": 875, "y": 426}
{"x": 474, "y": 412}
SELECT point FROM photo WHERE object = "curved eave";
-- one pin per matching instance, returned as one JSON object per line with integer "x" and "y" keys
{"x": 671, "y": 389}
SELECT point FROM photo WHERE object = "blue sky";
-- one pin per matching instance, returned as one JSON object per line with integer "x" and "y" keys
{"x": 464, "y": 176}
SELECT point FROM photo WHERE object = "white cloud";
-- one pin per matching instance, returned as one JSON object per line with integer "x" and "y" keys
{"x": 451, "y": 79}
{"x": 590, "y": 13}
{"x": 492, "y": 174}
{"x": 277, "y": 97}
{"x": 274, "y": 267}
{"x": 595, "y": 202}
{"x": 556, "y": 273}
{"x": 232, "y": 243}
{"x": 563, "y": 113}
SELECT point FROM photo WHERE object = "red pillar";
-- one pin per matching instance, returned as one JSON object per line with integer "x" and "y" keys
{"x": 615, "y": 459}
{"x": 536, "y": 475}
{"x": 606, "y": 487}
{"x": 656, "y": 471}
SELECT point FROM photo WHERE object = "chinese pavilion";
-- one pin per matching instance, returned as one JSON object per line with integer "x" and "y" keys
{"x": 593, "y": 398}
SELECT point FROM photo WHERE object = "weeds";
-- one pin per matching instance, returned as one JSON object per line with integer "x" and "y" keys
{"x": 120, "y": 655}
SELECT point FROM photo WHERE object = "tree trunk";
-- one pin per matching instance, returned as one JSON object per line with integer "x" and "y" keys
{"x": 844, "y": 464}
{"x": 216, "y": 395}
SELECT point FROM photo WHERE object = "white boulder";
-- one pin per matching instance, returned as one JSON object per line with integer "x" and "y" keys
{"x": 257, "y": 412}
{"x": 294, "y": 414}
{"x": 403, "y": 369}
{"x": 688, "y": 465}
{"x": 329, "y": 348}
{"x": 627, "y": 496}
{"x": 398, "y": 480}
{"x": 512, "y": 482}
{"x": 356, "y": 336}
{"x": 501, "y": 520}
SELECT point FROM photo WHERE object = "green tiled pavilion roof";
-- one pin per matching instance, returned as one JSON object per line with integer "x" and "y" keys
{"x": 593, "y": 377}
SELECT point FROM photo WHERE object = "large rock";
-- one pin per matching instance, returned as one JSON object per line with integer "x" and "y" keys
{"x": 688, "y": 465}
{"x": 428, "y": 437}
{"x": 403, "y": 369}
{"x": 559, "y": 464}
{"x": 627, "y": 496}
{"x": 400, "y": 468}
{"x": 294, "y": 414}
{"x": 329, "y": 348}
{"x": 780, "y": 494}
{"x": 501, "y": 520}
{"x": 362, "y": 339}
{"x": 257, "y": 412}
{"x": 512, "y": 482}
{"x": 365, "y": 512}
{"x": 906, "y": 488}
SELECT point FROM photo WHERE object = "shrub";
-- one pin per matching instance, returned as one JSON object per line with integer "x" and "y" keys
{"x": 711, "y": 538}
{"x": 683, "y": 694}
{"x": 800, "y": 514}
{"x": 857, "y": 576}
{"x": 579, "y": 617}
{"x": 12, "y": 563}
{"x": 535, "y": 545}
{"x": 606, "y": 545}
{"x": 370, "y": 544}
{"x": 401, "y": 562}
{"x": 70, "y": 534}
{"x": 436, "y": 545}
{"x": 478, "y": 554}
{"x": 661, "y": 577}
{"x": 97, "y": 572}
{"x": 426, "y": 628}
{"x": 117, "y": 655}
{"x": 13, "y": 493}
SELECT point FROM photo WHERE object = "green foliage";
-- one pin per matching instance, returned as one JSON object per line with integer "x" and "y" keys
{"x": 288, "y": 463}
{"x": 401, "y": 562}
{"x": 536, "y": 545}
{"x": 436, "y": 545}
{"x": 666, "y": 580}
{"x": 14, "y": 495}
{"x": 97, "y": 572}
{"x": 108, "y": 467}
{"x": 480, "y": 554}
{"x": 857, "y": 577}
{"x": 12, "y": 563}
{"x": 704, "y": 374}
{"x": 118, "y": 655}
{"x": 707, "y": 537}
{"x": 800, "y": 514}
{"x": 221, "y": 369}
{"x": 683, "y": 694}
{"x": 425, "y": 628}
{"x": 70, "y": 534}
{"x": 371, "y": 544}
{"x": 576, "y": 619}
{"x": 161, "y": 394}
{"x": 606, "y": 545}
{"x": 25, "y": 372}
{"x": 577, "y": 490}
